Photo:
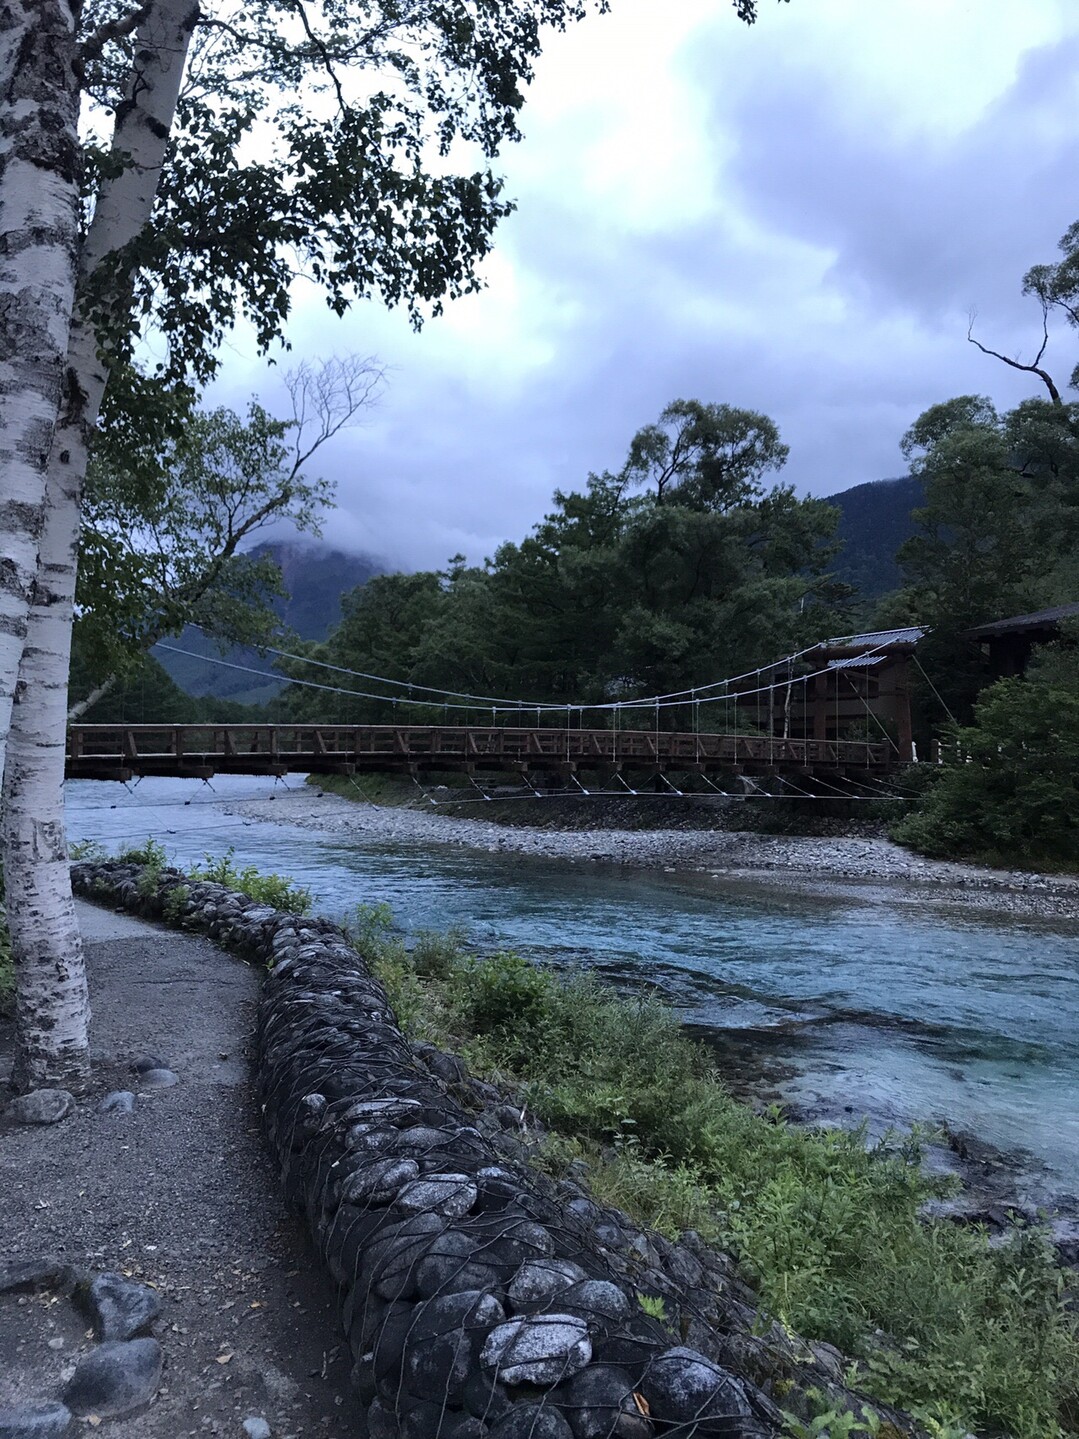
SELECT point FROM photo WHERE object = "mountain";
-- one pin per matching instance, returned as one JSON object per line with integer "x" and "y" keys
{"x": 874, "y": 522}
{"x": 315, "y": 576}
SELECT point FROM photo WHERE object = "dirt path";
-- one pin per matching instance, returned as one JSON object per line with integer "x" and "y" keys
{"x": 178, "y": 1193}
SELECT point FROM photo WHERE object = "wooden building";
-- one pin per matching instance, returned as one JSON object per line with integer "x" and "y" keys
{"x": 847, "y": 686}
{"x": 1008, "y": 643}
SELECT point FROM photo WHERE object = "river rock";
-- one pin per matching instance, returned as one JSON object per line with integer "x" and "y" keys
{"x": 544, "y": 1349}
{"x": 682, "y": 1385}
{"x": 117, "y": 1101}
{"x": 444, "y": 1345}
{"x": 115, "y": 1378}
{"x": 159, "y": 1078}
{"x": 531, "y": 1421}
{"x": 42, "y": 1106}
{"x": 450, "y": 1195}
{"x": 255, "y": 1427}
{"x": 120, "y": 1308}
{"x": 378, "y": 1182}
{"x": 599, "y": 1404}
{"x": 34, "y": 1421}
{"x": 595, "y": 1299}
{"x": 538, "y": 1280}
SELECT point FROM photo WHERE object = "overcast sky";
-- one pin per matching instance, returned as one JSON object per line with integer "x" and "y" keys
{"x": 795, "y": 218}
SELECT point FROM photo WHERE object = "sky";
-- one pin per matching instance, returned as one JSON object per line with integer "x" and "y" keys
{"x": 796, "y": 217}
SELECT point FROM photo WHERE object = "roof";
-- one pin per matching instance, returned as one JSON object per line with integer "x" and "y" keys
{"x": 874, "y": 639}
{"x": 858, "y": 662}
{"x": 1041, "y": 619}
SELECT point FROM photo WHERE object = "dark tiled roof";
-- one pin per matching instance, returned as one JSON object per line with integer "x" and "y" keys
{"x": 909, "y": 635}
{"x": 1041, "y": 619}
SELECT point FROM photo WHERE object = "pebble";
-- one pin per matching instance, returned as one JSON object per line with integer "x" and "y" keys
{"x": 117, "y": 1101}
{"x": 159, "y": 1078}
{"x": 718, "y": 852}
{"x": 42, "y": 1106}
{"x": 255, "y": 1427}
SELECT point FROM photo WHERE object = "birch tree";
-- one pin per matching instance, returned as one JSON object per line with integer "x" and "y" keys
{"x": 251, "y": 147}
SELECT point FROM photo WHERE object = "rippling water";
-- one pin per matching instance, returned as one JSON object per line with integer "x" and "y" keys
{"x": 843, "y": 1006}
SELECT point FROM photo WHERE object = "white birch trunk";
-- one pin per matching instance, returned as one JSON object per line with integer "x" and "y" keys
{"x": 39, "y": 235}
{"x": 53, "y": 1013}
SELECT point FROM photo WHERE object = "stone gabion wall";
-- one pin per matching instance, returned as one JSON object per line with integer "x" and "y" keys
{"x": 477, "y": 1297}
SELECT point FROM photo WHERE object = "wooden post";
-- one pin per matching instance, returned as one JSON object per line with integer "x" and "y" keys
{"x": 902, "y": 709}
{"x": 820, "y": 707}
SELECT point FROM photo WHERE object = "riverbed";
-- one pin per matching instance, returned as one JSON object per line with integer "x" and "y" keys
{"x": 843, "y": 978}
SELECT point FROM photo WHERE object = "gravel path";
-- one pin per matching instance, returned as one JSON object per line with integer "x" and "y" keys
{"x": 794, "y": 861}
{"x": 179, "y": 1194}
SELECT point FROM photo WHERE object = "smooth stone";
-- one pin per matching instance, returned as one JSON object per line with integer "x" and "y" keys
{"x": 147, "y": 1063}
{"x": 118, "y": 1101}
{"x": 545, "y": 1349}
{"x": 115, "y": 1378}
{"x": 443, "y": 1346}
{"x": 540, "y": 1279}
{"x": 255, "y": 1427}
{"x": 682, "y": 1385}
{"x": 42, "y": 1106}
{"x": 159, "y": 1078}
{"x": 451, "y": 1195}
{"x": 531, "y": 1421}
{"x": 34, "y": 1421}
{"x": 27, "y": 1274}
{"x": 378, "y": 1182}
{"x": 119, "y": 1307}
{"x": 599, "y": 1404}
{"x": 596, "y": 1298}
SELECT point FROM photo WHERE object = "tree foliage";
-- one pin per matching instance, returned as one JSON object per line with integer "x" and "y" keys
{"x": 167, "y": 527}
{"x": 614, "y": 594}
{"x": 1010, "y": 792}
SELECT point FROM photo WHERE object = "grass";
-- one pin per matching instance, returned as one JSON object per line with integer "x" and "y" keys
{"x": 828, "y": 1229}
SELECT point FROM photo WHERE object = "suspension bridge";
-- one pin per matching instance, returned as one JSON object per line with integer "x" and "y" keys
{"x": 834, "y": 711}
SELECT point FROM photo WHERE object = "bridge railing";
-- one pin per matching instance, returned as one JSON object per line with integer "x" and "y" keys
{"x": 268, "y": 748}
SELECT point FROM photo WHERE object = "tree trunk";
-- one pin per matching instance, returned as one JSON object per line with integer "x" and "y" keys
{"x": 39, "y": 230}
{"x": 52, "y": 1008}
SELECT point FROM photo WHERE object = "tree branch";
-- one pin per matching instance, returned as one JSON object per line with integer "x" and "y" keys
{"x": 1032, "y": 369}
{"x": 94, "y": 44}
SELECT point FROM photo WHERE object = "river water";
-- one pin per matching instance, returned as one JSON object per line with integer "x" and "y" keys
{"x": 842, "y": 1005}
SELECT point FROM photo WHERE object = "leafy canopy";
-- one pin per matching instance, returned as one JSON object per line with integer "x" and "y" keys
{"x": 343, "y": 142}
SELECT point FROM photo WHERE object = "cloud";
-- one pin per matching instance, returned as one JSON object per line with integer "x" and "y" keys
{"x": 795, "y": 218}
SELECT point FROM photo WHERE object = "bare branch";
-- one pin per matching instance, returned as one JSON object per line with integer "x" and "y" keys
{"x": 328, "y": 397}
{"x": 1034, "y": 368}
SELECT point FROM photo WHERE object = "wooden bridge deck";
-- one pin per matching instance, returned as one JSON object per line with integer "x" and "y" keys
{"x": 200, "y": 751}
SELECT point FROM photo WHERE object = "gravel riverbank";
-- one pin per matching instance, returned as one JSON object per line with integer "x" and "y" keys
{"x": 817, "y": 863}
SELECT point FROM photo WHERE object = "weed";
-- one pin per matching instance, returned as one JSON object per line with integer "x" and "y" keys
{"x": 275, "y": 890}
{"x": 175, "y": 900}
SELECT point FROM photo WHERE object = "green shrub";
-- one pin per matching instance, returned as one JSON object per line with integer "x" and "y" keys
{"x": 175, "y": 900}
{"x": 149, "y": 853}
{"x": 273, "y": 889}
{"x": 1010, "y": 791}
